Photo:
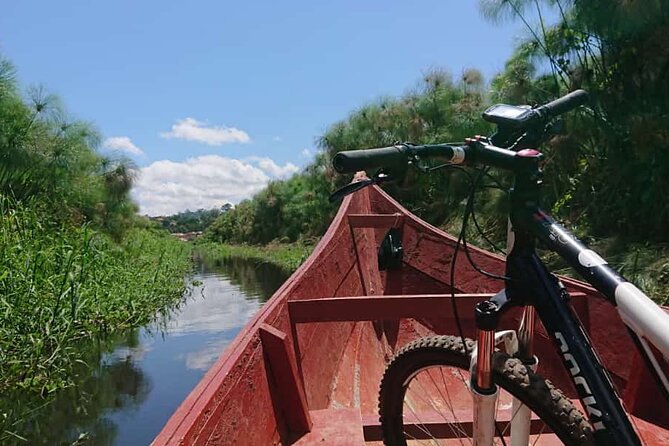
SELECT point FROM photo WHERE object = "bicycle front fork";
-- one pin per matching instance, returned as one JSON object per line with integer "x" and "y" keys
{"x": 484, "y": 391}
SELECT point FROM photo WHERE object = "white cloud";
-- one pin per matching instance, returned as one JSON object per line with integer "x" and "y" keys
{"x": 306, "y": 153}
{"x": 193, "y": 130}
{"x": 168, "y": 187}
{"x": 276, "y": 138}
{"x": 123, "y": 144}
{"x": 272, "y": 168}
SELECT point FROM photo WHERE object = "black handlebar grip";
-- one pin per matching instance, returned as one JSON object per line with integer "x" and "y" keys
{"x": 565, "y": 103}
{"x": 355, "y": 160}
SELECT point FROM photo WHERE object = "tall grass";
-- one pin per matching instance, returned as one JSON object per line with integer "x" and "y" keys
{"x": 61, "y": 283}
{"x": 287, "y": 257}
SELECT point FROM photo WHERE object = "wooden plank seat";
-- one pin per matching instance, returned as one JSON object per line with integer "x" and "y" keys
{"x": 372, "y": 308}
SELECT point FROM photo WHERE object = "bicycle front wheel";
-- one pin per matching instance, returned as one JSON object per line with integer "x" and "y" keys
{"x": 425, "y": 397}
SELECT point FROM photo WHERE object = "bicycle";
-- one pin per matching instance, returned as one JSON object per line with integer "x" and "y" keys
{"x": 528, "y": 284}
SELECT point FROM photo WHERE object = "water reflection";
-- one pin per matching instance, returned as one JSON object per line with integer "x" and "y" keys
{"x": 105, "y": 384}
{"x": 256, "y": 280}
{"x": 137, "y": 380}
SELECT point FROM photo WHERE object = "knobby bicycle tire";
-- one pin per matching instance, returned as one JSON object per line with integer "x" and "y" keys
{"x": 545, "y": 400}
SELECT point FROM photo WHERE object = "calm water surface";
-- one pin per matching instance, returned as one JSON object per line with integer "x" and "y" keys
{"x": 137, "y": 386}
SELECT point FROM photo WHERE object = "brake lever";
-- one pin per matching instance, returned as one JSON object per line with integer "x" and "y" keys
{"x": 340, "y": 193}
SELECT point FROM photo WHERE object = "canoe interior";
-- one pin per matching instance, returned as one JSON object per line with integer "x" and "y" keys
{"x": 307, "y": 368}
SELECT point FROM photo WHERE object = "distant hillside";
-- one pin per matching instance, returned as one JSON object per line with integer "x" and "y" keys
{"x": 191, "y": 221}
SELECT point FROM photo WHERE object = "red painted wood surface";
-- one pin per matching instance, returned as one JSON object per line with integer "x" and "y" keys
{"x": 417, "y": 424}
{"x": 389, "y": 307}
{"x": 335, "y": 427}
{"x": 370, "y": 314}
{"x": 395, "y": 220}
{"x": 285, "y": 385}
{"x": 365, "y": 308}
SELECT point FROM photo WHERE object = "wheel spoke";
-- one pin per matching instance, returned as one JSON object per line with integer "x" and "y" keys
{"x": 430, "y": 402}
{"x": 438, "y": 381}
{"x": 455, "y": 417}
{"x": 450, "y": 402}
{"x": 420, "y": 426}
{"x": 543, "y": 426}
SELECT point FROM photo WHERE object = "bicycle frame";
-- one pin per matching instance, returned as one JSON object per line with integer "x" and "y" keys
{"x": 544, "y": 292}
{"x": 530, "y": 284}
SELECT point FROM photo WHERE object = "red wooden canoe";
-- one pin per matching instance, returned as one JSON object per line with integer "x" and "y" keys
{"x": 306, "y": 369}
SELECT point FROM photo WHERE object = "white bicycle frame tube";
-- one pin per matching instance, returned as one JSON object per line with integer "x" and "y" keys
{"x": 640, "y": 314}
{"x": 648, "y": 320}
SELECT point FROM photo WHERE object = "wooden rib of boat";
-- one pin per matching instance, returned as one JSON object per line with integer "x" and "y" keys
{"x": 306, "y": 369}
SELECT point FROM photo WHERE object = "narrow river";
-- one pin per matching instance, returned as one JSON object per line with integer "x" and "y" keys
{"x": 146, "y": 373}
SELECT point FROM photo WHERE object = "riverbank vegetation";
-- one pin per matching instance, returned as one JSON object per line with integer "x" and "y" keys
{"x": 190, "y": 221}
{"x": 288, "y": 257}
{"x": 63, "y": 283}
{"x": 606, "y": 172}
{"x": 76, "y": 262}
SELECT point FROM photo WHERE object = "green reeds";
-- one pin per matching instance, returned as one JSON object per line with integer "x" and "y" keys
{"x": 60, "y": 284}
{"x": 288, "y": 257}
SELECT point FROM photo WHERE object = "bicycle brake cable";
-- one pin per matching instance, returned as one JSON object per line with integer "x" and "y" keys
{"x": 462, "y": 239}
{"x": 476, "y": 223}
{"x": 469, "y": 209}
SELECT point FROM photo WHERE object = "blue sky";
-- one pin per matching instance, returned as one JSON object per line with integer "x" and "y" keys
{"x": 222, "y": 96}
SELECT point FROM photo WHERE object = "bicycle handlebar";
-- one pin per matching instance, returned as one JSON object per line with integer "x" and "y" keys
{"x": 479, "y": 151}
{"x": 395, "y": 156}
{"x": 355, "y": 160}
{"x": 564, "y": 104}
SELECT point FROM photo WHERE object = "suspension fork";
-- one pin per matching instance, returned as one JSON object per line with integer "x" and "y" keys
{"x": 526, "y": 328}
{"x": 483, "y": 389}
